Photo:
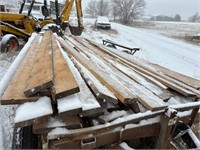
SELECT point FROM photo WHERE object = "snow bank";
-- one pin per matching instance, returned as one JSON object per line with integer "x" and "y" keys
{"x": 32, "y": 110}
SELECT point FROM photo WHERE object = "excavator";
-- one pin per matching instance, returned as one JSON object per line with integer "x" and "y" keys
{"x": 17, "y": 25}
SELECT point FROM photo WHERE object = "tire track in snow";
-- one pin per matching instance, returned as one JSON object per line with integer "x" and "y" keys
{"x": 163, "y": 43}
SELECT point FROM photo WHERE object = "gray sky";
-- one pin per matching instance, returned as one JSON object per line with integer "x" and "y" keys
{"x": 185, "y": 8}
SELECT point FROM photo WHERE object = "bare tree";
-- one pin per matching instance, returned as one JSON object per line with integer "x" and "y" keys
{"x": 97, "y": 8}
{"x": 130, "y": 9}
{"x": 102, "y": 8}
{"x": 114, "y": 11}
{"x": 194, "y": 18}
{"x": 90, "y": 8}
{"x": 177, "y": 17}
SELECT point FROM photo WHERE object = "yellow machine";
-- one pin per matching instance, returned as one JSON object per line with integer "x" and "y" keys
{"x": 14, "y": 26}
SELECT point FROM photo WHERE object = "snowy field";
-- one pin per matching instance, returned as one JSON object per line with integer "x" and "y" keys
{"x": 170, "y": 29}
{"x": 155, "y": 46}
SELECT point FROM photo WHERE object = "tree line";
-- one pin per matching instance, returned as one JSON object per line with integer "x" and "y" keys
{"x": 124, "y": 10}
{"x": 177, "y": 18}
{"x": 128, "y": 10}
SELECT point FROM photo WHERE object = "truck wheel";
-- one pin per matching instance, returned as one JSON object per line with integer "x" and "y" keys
{"x": 9, "y": 43}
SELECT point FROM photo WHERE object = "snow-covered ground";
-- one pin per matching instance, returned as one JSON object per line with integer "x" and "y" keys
{"x": 155, "y": 47}
{"x": 170, "y": 29}
{"x": 7, "y": 112}
{"x": 174, "y": 54}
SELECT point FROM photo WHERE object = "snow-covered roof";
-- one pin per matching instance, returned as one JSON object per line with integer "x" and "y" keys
{"x": 103, "y": 19}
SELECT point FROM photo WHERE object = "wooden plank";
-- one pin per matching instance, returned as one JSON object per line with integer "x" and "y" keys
{"x": 14, "y": 94}
{"x": 163, "y": 94}
{"x": 104, "y": 54}
{"x": 100, "y": 91}
{"x": 65, "y": 83}
{"x": 146, "y": 71}
{"x": 163, "y": 140}
{"x": 45, "y": 125}
{"x": 100, "y": 129}
{"x": 120, "y": 92}
{"x": 87, "y": 99}
{"x": 193, "y": 116}
{"x": 92, "y": 112}
{"x": 69, "y": 105}
{"x": 146, "y": 97}
{"x": 41, "y": 76}
{"x": 27, "y": 113}
{"x": 109, "y": 138}
{"x": 195, "y": 83}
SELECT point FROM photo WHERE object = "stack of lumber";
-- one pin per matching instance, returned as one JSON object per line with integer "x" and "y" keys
{"x": 72, "y": 83}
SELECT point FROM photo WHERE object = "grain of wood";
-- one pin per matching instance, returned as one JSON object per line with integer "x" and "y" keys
{"x": 89, "y": 103}
{"x": 45, "y": 125}
{"x": 146, "y": 71}
{"x": 145, "y": 96}
{"x": 162, "y": 93}
{"x": 65, "y": 83}
{"x": 100, "y": 91}
{"x": 14, "y": 94}
{"x": 120, "y": 92}
{"x": 195, "y": 83}
{"x": 30, "y": 122}
{"x": 41, "y": 76}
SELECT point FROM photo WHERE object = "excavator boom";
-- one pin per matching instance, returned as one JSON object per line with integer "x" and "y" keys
{"x": 65, "y": 14}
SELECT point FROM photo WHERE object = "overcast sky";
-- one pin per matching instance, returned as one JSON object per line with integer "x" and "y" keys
{"x": 185, "y": 8}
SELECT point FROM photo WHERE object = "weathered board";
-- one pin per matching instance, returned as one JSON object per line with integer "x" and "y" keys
{"x": 183, "y": 78}
{"x": 14, "y": 94}
{"x": 146, "y": 97}
{"x": 101, "y": 92}
{"x": 87, "y": 99}
{"x": 65, "y": 83}
{"x": 163, "y": 79}
{"x": 28, "y": 113}
{"x": 120, "y": 92}
{"x": 69, "y": 105}
{"x": 45, "y": 125}
{"x": 154, "y": 87}
{"x": 41, "y": 75}
{"x": 162, "y": 93}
